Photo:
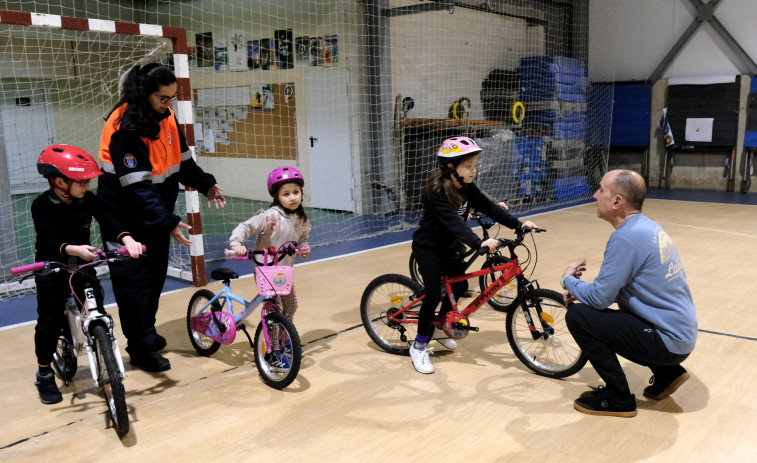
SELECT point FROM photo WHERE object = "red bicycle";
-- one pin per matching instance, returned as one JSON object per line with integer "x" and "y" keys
{"x": 535, "y": 325}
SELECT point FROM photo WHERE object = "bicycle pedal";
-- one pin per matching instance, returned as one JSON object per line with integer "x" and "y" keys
{"x": 462, "y": 326}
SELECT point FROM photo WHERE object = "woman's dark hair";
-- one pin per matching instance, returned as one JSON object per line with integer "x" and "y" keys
{"x": 300, "y": 211}
{"x": 441, "y": 180}
{"x": 139, "y": 84}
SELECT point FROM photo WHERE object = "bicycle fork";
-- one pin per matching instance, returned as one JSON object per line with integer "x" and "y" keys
{"x": 526, "y": 298}
{"x": 92, "y": 314}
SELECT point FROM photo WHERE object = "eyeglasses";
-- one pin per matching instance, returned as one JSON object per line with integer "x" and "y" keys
{"x": 165, "y": 99}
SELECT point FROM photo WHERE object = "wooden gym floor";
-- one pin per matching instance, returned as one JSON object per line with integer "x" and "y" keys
{"x": 352, "y": 402}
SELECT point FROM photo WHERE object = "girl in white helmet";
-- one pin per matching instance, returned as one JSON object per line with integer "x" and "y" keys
{"x": 448, "y": 197}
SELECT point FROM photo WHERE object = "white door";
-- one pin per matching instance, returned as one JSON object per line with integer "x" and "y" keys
{"x": 28, "y": 128}
{"x": 330, "y": 160}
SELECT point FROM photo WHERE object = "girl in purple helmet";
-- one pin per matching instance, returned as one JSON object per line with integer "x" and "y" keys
{"x": 284, "y": 221}
{"x": 448, "y": 197}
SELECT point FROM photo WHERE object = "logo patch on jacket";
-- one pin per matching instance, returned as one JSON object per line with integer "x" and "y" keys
{"x": 130, "y": 161}
{"x": 170, "y": 142}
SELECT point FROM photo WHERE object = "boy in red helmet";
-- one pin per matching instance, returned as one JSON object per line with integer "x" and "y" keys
{"x": 62, "y": 218}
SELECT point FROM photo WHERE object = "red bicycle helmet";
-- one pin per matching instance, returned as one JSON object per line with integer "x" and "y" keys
{"x": 455, "y": 149}
{"x": 67, "y": 161}
{"x": 281, "y": 175}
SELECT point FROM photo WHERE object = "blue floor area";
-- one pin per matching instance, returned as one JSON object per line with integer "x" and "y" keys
{"x": 24, "y": 309}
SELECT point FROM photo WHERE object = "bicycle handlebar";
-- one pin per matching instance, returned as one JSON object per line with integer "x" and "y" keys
{"x": 37, "y": 266}
{"x": 287, "y": 249}
{"x": 520, "y": 233}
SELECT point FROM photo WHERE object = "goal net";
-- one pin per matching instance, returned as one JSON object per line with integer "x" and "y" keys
{"x": 357, "y": 95}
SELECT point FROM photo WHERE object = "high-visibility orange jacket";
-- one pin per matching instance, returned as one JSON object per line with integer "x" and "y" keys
{"x": 142, "y": 175}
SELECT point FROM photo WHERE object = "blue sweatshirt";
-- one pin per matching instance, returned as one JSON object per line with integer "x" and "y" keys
{"x": 642, "y": 272}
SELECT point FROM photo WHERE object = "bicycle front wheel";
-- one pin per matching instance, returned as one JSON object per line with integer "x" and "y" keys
{"x": 109, "y": 379}
{"x": 507, "y": 297}
{"x": 202, "y": 344}
{"x": 278, "y": 362}
{"x": 550, "y": 349}
{"x": 385, "y": 296}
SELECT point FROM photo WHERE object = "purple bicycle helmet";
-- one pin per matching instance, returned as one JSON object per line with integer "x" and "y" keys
{"x": 281, "y": 175}
{"x": 455, "y": 149}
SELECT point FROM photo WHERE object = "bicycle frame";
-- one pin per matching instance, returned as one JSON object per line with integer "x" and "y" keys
{"x": 249, "y": 307}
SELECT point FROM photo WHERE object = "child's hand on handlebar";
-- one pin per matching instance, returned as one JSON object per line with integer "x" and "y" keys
{"x": 84, "y": 251}
{"x": 133, "y": 246}
{"x": 491, "y": 243}
{"x": 529, "y": 224}
{"x": 304, "y": 253}
{"x": 239, "y": 250}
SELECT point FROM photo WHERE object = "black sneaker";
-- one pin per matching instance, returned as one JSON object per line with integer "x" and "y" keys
{"x": 160, "y": 343}
{"x": 661, "y": 388}
{"x": 150, "y": 361}
{"x": 48, "y": 391}
{"x": 602, "y": 403}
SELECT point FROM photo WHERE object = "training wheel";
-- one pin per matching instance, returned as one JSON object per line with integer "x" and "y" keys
{"x": 454, "y": 316}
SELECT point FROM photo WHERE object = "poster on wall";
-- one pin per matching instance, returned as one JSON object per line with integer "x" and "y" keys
{"x": 261, "y": 97}
{"x": 237, "y": 51}
{"x": 330, "y": 50}
{"x": 220, "y": 54}
{"x": 302, "y": 50}
{"x": 266, "y": 53}
{"x": 315, "y": 53}
{"x": 253, "y": 54}
{"x": 205, "y": 52}
{"x": 285, "y": 58}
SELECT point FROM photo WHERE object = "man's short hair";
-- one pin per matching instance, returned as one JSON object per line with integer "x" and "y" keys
{"x": 631, "y": 187}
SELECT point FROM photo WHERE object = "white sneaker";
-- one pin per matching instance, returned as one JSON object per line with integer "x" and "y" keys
{"x": 449, "y": 343}
{"x": 421, "y": 361}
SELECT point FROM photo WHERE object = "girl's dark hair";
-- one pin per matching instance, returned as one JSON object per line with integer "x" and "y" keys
{"x": 139, "y": 84}
{"x": 441, "y": 180}
{"x": 300, "y": 211}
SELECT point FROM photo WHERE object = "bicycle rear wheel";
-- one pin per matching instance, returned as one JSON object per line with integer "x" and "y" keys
{"x": 385, "y": 295}
{"x": 507, "y": 297}
{"x": 202, "y": 344}
{"x": 109, "y": 379}
{"x": 278, "y": 363}
{"x": 550, "y": 350}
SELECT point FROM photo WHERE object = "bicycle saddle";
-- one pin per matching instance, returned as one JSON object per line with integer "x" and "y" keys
{"x": 223, "y": 274}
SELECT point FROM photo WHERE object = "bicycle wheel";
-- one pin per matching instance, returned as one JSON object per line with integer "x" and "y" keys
{"x": 415, "y": 272}
{"x": 507, "y": 297}
{"x": 65, "y": 359}
{"x": 553, "y": 353}
{"x": 202, "y": 344}
{"x": 109, "y": 379}
{"x": 385, "y": 295}
{"x": 279, "y": 365}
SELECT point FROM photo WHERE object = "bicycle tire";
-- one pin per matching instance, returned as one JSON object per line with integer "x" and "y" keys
{"x": 415, "y": 272}
{"x": 383, "y": 294}
{"x": 202, "y": 344}
{"x": 273, "y": 375}
{"x": 65, "y": 359}
{"x": 555, "y": 354}
{"x": 109, "y": 378}
{"x": 507, "y": 297}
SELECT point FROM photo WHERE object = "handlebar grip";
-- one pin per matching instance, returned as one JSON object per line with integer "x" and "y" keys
{"x": 229, "y": 252}
{"x": 15, "y": 271}
{"x": 482, "y": 251}
{"x": 125, "y": 252}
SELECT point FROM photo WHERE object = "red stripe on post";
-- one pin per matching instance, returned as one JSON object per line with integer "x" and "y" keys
{"x": 179, "y": 38}
{"x": 189, "y": 133}
{"x": 194, "y": 220}
{"x": 127, "y": 28}
{"x": 76, "y": 24}
{"x": 16, "y": 17}
{"x": 198, "y": 270}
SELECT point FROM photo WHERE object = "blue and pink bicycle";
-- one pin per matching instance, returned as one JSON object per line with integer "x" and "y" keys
{"x": 214, "y": 319}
